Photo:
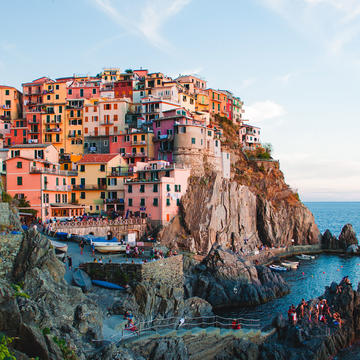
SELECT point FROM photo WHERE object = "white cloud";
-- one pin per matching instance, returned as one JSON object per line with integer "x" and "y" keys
{"x": 284, "y": 79}
{"x": 263, "y": 110}
{"x": 332, "y": 23}
{"x": 153, "y": 15}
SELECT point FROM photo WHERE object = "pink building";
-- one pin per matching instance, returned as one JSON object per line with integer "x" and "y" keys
{"x": 83, "y": 89}
{"x": 164, "y": 130}
{"x": 157, "y": 190}
{"x": 45, "y": 186}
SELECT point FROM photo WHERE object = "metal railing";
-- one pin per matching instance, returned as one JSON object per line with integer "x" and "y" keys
{"x": 34, "y": 170}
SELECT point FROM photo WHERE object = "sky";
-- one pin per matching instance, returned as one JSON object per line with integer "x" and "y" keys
{"x": 294, "y": 63}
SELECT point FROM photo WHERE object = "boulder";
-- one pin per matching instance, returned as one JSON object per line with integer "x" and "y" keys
{"x": 347, "y": 237}
{"x": 329, "y": 241}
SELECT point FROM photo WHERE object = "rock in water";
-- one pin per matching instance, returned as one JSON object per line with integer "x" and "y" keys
{"x": 329, "y": 241}
{"x": 347, "y": 237}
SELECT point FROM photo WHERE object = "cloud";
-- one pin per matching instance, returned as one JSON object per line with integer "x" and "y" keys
{"x": 153, "y": 14}
{"x": 263, "y": 110}
{"x": 332, "y": 23}
{"x": 284, "y": 79}
{"x": 195, "y": 71}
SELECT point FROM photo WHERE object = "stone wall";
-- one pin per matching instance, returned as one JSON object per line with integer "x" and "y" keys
{"x": 167, "y": 271}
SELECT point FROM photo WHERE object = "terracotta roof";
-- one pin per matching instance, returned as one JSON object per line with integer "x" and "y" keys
{"x": 96, "y": 158}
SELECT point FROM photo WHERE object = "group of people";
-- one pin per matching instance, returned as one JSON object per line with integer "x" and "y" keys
{"x": 317, "y": 312}
{"x": 130, "y": 325}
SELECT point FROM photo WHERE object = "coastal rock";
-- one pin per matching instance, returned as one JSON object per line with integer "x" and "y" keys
{"x": 235, "y": 217}
{"x": 329, "y": 241}
{"x": 42, "y": 305}
{"x": 224, "y": 279}
{"x": 347, "y": 237}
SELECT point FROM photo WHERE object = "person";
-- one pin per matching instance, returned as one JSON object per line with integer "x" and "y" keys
{"x": 181, "y": 322}
{"x": 302, "y": 307}
{"x": 109, "y": 235}
{"x": 100, "y": 261}
{"x": 69, "y": 262}
{"x": 127, "y": 250}
{"x": 110, "y": 261}
{"x": 95, "y": 260}
{"x": 235, "y": 325}
{"x": 292, "y": 314}
{"x": 93, "y": 249}
{"x": 82, "y": 245}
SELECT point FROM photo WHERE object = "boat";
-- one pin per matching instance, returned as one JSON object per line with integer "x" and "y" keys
{"x": 109, "y": 247}
{"x": 290, "y": 264}
{"x": 107, "y": 285}
{"x": 305, "y": 257}
{"x": 277, "y": 268}
{"x": 62, "y": 235}
{"x": 82, "y": 279}
{"x": 59, "y": 246}
{"x": 102, "y": 239}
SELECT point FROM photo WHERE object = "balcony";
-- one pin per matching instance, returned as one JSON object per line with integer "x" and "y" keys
{"x": 113, "y": 201}
{"x": 120, "y": 173}
{"x": 72, "y": 135}
{"x": 134, "y": 155}
{"x": 33, "y": 131}
{"x": 73, "y": 106}
{"x": 50, "y": 111}
{"x": 32, "y": 93}
{"x": 56, "y": 130}
{"x": 89, "y": 187}
{"x": 35, "y": 170}
{"x": 138, "y": 143}
{"x": 3, "y": 117}
{"x": 5, "y": 107}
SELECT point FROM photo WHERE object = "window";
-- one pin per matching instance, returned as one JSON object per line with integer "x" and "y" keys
{"x": 102, "y": 167}
{"x": 73, "y": 181}
{"x": 7, "y": 92}
{"x": 167, "y": 173}
{"x": 155, "y": 188}
{"x": 97, "y": 207}
{"x": 142, "y": 137}
{"x": 70, "y": 91}
{"x": 142, "y": 202}
{"x": 129, "y": 188}
{"x": 94, "y": 91}
{"x": 82, "y": 168}
{"x": 216, "y": 143}
{"x": 15, "y": 132}
{"x": 57, "y": 181}
{"x": 168, "y": 187}
{"x": 57, "y": 87}
{"x": 130, "y": 202}
{"x": 82, "y": 195}
{"x": 115, "y": 106}
{"x": 19, "y": 180}
{"x": 122, "y": 151}
{"x": 142, "y": 188}
{"x": 167, "y": 202}
{"x": 19, "y": 165}
{"x": 193, "y": 141}
{"x": 57, "y": 97}
{"x": 177, "y": 202}
{"x": 183, "y": 130}
{"x": 48, "y": 97}
{"x": 156, "y": 202}
{"x": 102, "y": 195}
{"x": 177, "y": 188}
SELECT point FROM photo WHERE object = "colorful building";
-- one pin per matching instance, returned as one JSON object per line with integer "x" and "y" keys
{"x": 90, "y": 187}
{"x": 134, "y": 146}
{"x": 250, "y": 136}
{"x": 156, "y": 192}
{"x": 10, "y": 103}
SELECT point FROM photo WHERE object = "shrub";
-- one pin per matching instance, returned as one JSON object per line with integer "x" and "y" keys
{"x": 5, "y": 353}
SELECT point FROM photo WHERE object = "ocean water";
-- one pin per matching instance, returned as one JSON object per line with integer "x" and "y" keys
{"x": 334, "y": 215}
{"x": 311, "y": 277}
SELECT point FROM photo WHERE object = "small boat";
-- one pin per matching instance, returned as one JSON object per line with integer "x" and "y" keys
{"x": 82, "y": 279}
{"x": 107, "y": 285}
{"x": 277, "y": 268}
{"x": 59, "y": 246}
{"x": 61, "y": 235}
{"x": 305, "y": 257}
{"x": 290, "y": 264}
{"x": 109, "y": 247}
{"x": 103, "y": 240}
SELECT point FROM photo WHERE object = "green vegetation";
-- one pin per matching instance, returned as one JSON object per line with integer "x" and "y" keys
{"x": 23, "y": 203}
{"x": 261, "y": 153}
{"x": 6, "y": 197}
{"x": 19, "y": 291}
{"x": 46, "y": 331}
{"x": 68, "y": 353}
{"x": 5, "y": 353}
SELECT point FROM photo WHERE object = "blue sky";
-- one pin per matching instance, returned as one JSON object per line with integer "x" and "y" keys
{"x": 295, "y": 63}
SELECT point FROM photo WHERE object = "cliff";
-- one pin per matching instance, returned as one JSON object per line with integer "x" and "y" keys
{"x": 239, "y": 216}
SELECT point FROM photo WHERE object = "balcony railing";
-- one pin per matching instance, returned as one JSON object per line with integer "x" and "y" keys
{"x": 121, "y": 173}
{"x": 113, "y": 201}
{"x": 89, "y": 187}
{"x": 56, "y": 130}
{"x": 33, "y": 131}
{"x": 106, "y": 123}
{"x": 130, "y": 155}
{"x": 5, "y": 107}
{"x": 138, "y": 143}
{"x": 35, "y": 170}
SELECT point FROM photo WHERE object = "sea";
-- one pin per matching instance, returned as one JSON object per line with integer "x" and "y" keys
{"x": 311, "y": 277}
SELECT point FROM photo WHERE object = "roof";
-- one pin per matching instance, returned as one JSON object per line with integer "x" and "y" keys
{"x": 96, "y": 158}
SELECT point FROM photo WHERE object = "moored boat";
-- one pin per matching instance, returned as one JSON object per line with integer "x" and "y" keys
{"x": 62, "y": 235}
{"x": 107, "y": 285}
{"x": 109, "y": 247}
{"x": 82, "y": 279}
{"x": 305, "y": 257}
{"x": 277, "y": 268}
{"x": 59, "y": 246}
{"x": 290, "y": 264}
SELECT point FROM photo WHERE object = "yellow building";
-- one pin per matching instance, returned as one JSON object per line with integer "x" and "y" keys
{"x": 202, "y": 102}
{"x": 110, "y": 75}
{"x": 54, "y": 116}
{"x": 90, "y": 187}
{"x": 74, "y": 133}
{"x": 10, "y": 103}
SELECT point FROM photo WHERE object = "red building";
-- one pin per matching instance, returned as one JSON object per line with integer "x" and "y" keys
{"x": 18, "y": 133}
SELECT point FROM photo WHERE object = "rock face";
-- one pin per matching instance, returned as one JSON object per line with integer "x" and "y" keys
{"x": 235, "y": 217}
{"x": 224, "y": 279}
{"x": 43, "y": 305}
{"x": 347, "y": 240}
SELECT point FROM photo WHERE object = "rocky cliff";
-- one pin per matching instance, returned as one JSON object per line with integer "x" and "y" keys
{"x": 239, "y": 216}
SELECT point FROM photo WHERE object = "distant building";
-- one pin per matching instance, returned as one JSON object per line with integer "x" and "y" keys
{"x": 250, "y": 137}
